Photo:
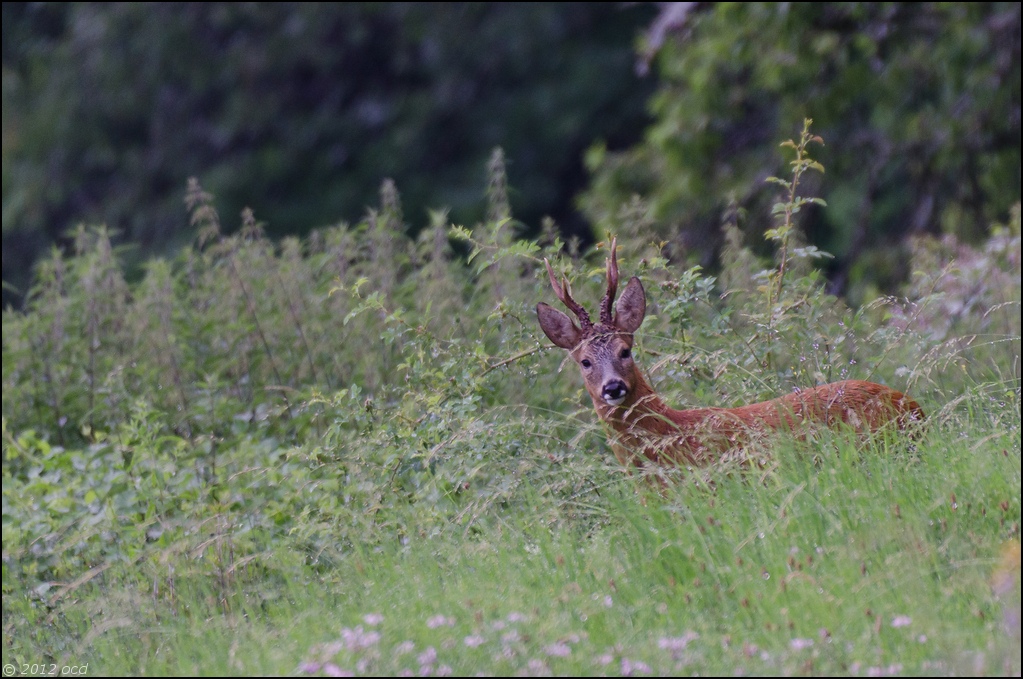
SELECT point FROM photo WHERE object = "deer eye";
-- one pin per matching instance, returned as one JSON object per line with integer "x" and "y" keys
{"x": 625, "y": 353}
{"x": 586, "y": 363}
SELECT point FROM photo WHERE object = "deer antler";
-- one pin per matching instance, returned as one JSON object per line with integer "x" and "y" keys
{"x": 564, "y": 293}
{"x": 607, "y": 305}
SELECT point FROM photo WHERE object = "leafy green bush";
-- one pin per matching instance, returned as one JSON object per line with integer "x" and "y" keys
{"x": 921, "y": 100}
{"x": 255, "y": 437}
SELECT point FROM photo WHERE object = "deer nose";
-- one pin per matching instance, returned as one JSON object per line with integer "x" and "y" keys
{"x": 614, "y": 392}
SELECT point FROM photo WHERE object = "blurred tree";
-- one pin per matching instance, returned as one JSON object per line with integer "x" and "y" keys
{"x": 918, "y": 103}
{"x": 300, "y": 110}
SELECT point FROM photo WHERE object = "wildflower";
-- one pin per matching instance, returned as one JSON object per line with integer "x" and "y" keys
{"x": 372, "y": 619}
{"x": 800, "y": 644}
{"x": 901, "y": 621}
{"x": 558, "y": 649}
{"x": 474, "y": 640}
{"x": 538, "y": 668}
{"x": 676, "y": 644}
{"x": 427, "y": 657}
{"x": 440, "y": 621}
{"x": 631, "y": 667}
{"x": 357, "y": 639}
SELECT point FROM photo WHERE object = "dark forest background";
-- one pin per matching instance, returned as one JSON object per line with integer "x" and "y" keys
{"x": 665, "y": 116}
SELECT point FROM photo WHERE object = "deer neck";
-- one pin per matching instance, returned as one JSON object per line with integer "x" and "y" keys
{"x": 643, "y": 411}
{"x": 645, "y": 427}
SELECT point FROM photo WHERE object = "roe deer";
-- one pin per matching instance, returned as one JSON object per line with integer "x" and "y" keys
{"x": 645, "y": 430}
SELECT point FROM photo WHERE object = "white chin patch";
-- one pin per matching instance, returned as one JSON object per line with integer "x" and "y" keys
{"x": 614, "y": 401}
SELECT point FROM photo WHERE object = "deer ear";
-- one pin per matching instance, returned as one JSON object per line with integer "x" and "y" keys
{"x": 558, "y": 327}
{"x": 631, "y": 306}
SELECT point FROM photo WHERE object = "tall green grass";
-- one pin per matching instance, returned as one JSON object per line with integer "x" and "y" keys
{"x": 356, "y": 454}
{"x": 871, "y": 559}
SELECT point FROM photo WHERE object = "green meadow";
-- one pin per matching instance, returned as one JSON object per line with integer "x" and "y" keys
{"x": 356, "y": 453}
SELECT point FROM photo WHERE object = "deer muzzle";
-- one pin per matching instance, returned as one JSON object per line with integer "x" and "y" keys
{"x": 614, "y": 392}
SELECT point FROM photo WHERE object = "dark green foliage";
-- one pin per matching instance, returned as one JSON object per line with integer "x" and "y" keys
{"x": 300, "y": 110}
{"x": 920, "y": 103}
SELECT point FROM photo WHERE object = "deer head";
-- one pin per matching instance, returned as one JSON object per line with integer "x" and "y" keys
{"x": 603, "y": 351}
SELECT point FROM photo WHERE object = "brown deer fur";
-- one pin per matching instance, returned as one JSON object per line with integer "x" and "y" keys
{"x": 645, "y": 430}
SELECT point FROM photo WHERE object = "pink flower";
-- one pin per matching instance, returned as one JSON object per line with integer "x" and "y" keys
{"x": 558, "y": 649}
{"x": 631, "y": 667}
{"x": 427, "y": 657}
{"x": 538, "y": 668}
{"x": 440, "y": 621}
{"x": 358, "y": 639}
{"x": 676, "y": 644}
